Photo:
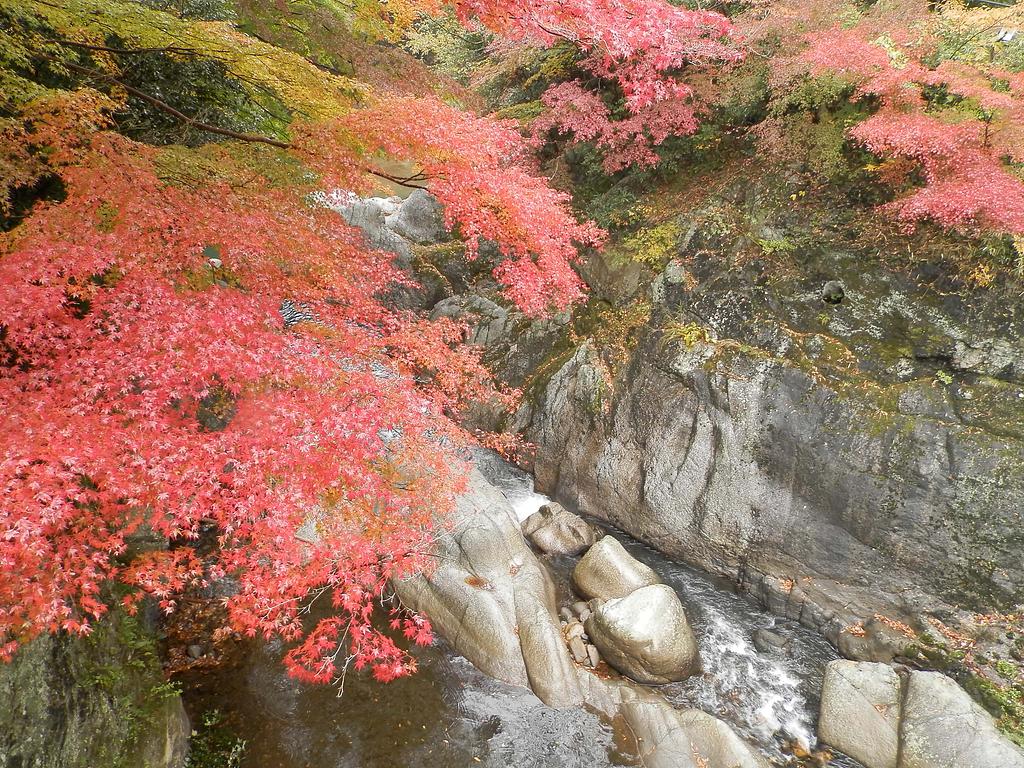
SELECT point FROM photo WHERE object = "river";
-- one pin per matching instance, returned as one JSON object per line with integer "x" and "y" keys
{"x": 449, "y": 715}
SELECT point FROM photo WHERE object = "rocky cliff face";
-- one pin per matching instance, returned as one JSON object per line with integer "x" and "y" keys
{"x": 842, "y": 441}
{"x": 94, "y": 701}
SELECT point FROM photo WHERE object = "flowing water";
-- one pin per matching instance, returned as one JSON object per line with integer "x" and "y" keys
{"x": 766, "y": 697}
{"x": 449, "y": 715}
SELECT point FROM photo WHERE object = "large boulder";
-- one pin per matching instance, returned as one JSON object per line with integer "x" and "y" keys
{"x": 608, "y": 571}
{"x": 667, "y": 737}
{"x": 671, "y": 738}
{"x": 493, "y": 600}
{"x": 419, "y": 218}
{"x": 555, "y": 530}
{"x": 371, "y": 215}
{"x": 860, "y": 712}
{"x": 166, "y": 739}
{"x": 942, "y": 727}
{"x": 488, "y": 322}
{"x": 645, "y": 635}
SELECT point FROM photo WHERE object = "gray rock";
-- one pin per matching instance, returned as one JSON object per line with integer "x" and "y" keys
{"x": 833, "y": 292}
{"x": 579, "y": 607}
{"x": 667, "y": 737}
{"x": 556, "y": 531}
{"x": 670, "y": 738}
{"x": 369, "y": 215}
{"x": 166, "y": 740}
{"x": 803, "y": 440}
{"x": 195, "y": 651}
{"x": 879, "y": 642}
{"x": 593, "y": 655}
{"x": 860, "y": 712}
{"x": 573, "y": 629}
{"x": 488, "y": 322}
{"x": 770, "y": 642}
{"x": 942, "y": 727}
{"x": 55, "y": 715}
{"x": 419, "y": 218}
{"x": 758, "y": 473}
{"x": 578, "y": 650}
{"x": 646, "y": 635}
{"x": 608, "y": 571}
{"x": 509, "y": 629}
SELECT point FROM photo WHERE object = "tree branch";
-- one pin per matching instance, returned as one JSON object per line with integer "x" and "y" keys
{"x": 406, "y": 181}
{"x": 165, "y": 107}
{"x": 123, "y": 51}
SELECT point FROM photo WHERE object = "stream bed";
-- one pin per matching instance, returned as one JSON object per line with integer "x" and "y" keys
{"x": 450, "y": 715}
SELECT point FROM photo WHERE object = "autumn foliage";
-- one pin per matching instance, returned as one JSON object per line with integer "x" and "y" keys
{"x": 956, "y": 123}
{"x": 165, "y": 427}
{"x": 152, "y": 391}
{"x": 642, "y": 47}
{"x": 151, "y": 387}
{"x": 479, "y": 169}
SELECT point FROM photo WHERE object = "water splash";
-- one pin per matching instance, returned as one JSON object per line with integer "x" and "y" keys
{"x": 755, "y": 691}
{"x": 766, "y": 698}
{"x": 526, "y": 504}
{"x": 513, "y": 482}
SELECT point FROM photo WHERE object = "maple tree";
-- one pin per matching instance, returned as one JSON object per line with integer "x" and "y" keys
{"x": 150, "y": 384}
{"x": 955, "y": 122}
{"x": 639, "y": 47}
{"x": 121, "y": 333}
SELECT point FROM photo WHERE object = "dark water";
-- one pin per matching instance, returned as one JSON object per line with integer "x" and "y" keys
{"x": 449, "y": 715}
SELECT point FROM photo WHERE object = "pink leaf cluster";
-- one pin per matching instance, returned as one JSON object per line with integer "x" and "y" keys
{"x": 638, "y": 43}
{"x": 968, "y": 187}
{"x": 476, "y": 167}
{"x": 149, "y": 387}
{"x": 574, "y": 110}
{"x": 642, "y": 45}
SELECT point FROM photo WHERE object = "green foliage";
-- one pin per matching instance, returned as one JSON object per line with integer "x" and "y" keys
{"x": 41, "y": 34}
{"x": 1005, "y": 702}
{"x": 444, "y": 43}
{"x": 652, "y": 246}
{"x": 230, "y": 163}
{"x": 1007, "y": 669}
{"x": 613, "y": 329}
{"x": 743, "y": 96}
{"x": 201, "y": 88}
{"x": 818, "y": 141}
{"x": 214, "y": 744}
{"x": 618, "y": 208}
{"x": 686, "y": 334}
{"x": 525, "y": 112}
{"x": 824, "y": 92}
{"x": 553, "y": 64}
{"x": 124, "y": 663}
{"x": 776, "y": 246}
{"x": 207, "y": 10}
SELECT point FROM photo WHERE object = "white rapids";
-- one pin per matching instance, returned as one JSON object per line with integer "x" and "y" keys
{"x": 767, "y": 698}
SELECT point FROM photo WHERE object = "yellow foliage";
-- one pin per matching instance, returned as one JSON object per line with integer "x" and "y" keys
{"x": 305, "y": 89}
{"x": 686, "y": 334}
{"x": 653, "y": 246}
